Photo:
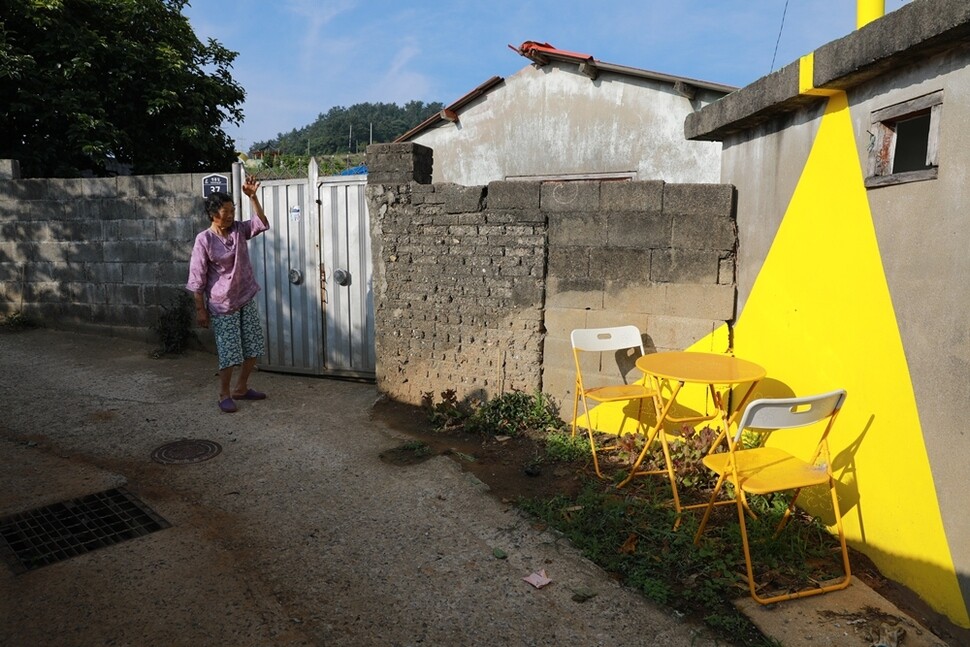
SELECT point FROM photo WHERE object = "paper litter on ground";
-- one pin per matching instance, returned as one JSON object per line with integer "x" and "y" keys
{"x": 538, "y": 580}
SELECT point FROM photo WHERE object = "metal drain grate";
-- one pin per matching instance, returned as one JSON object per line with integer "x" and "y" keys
{"x": 36, "y": 538}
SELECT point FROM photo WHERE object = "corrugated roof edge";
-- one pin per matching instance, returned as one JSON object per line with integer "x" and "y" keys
{"x": 913, "y": 32}
{"x": 453, "y": 108}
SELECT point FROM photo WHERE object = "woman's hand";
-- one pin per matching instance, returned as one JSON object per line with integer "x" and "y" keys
{"x": 250, "y": 186}
{"x": 201, "y": 312}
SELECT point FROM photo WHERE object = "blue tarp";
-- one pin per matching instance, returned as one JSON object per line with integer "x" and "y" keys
{"x": 355, "y": 170}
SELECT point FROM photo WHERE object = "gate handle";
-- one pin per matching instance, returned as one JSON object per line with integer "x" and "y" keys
{"x": 341, "y": 277}
{"x": 296, "y": 277}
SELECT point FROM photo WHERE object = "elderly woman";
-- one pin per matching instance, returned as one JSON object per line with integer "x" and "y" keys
{"x": 222, "y": 280}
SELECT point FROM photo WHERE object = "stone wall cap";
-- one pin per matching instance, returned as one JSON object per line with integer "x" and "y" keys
{"x": 907, "y": 35}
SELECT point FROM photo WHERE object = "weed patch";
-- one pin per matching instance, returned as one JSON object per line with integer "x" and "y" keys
{"x": 17, "y": 321}
{"x": 174, "y": 325}
{"x": 511, "y": 414}
{"x": 631, "y": 534}
{"x": 563, "y": 447}
{"x": 410, "y": 453}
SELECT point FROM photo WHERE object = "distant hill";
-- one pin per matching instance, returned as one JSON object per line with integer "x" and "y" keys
{"x": 350, "y": 130}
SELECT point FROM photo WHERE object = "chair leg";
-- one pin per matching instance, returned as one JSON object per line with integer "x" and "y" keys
{"x": 841, "y": 529}
{"x": 589, "y": 434}
{"x": 744, "y": 502}
{"x": 788, "y": 514}
{"x": 592, "y": 448}
{"x": 838, "y": 586}
{"x": 576, "y": 391}
{"x": 747, "y": 550}
{"x": 671, "y": 476}
{"x": 710, "y": 508}
{"x": 647, "y": 444}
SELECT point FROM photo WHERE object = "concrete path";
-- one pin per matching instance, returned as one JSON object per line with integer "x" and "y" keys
{"x": 295, "y": 534}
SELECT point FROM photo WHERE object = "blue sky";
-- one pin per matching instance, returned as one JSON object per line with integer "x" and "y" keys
{"x": 299, "y": 58}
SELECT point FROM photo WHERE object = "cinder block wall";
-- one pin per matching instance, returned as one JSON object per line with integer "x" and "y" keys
{"x": 477, "y": 288}
{"x": 655, "y": 255}
{"x": 458, "y": 288}
{"x": 98, "y": 255}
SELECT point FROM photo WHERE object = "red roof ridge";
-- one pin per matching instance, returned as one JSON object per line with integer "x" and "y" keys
{"x": 533, "y": 51}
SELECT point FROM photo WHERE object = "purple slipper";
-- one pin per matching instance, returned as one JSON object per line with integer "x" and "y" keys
{"x": 251, "y": 394}
{"x": 227, "y": 405}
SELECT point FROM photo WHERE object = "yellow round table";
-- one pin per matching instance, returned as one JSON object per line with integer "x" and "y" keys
{"x": 683, "y": 367}
{"x": 700, "y": 368}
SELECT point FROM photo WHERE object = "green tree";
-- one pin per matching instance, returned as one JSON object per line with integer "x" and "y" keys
{"x": 348, "y": 130}
{"x": 87, "y": 86}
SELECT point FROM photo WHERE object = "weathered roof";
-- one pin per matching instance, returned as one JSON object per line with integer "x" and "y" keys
{"x": 542, "y": 54}
{"x": 911, "y": 33}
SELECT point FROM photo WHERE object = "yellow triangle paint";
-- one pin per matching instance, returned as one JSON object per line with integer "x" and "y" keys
{"x": 820, "y": 317}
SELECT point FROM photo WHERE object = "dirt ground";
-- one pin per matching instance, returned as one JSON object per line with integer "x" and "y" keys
{"x": 509, "y": 469}
{"x": 294, "y": 534}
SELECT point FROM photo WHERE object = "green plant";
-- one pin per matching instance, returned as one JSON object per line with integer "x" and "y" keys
{"x": 18, "y": 321}
{"x": 447, "y": 413}
{"x": 283, "y": 166}
{"x": 417, "y": 447}
{"x": 511, "y": 414}
{"x": 515, "y": 414}
{"x": 686, "y": 452}
{"x": 564, "y": 447}
{"x": 686, "y": 455}
{"x": 174, "y": 325}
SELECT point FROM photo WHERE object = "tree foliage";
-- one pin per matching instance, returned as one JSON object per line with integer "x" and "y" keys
{"x": 348, "y": 130}
{"x": 87, "y": 86}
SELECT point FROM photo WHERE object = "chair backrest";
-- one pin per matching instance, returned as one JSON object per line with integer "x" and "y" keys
{"x": 788, "y": 413}
{"x": 607, "y": 339}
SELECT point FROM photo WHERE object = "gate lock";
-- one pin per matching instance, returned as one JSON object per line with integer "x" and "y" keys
{"x": 341, "y": 277}
{"x": 296, "y": 277}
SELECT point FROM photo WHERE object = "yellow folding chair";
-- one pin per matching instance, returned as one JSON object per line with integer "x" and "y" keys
{"x": 622, "y": 339}
{"x": 764, "y": 470}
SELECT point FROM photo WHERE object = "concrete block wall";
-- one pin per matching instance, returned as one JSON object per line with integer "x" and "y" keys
{"x": 97, "y": 254}
{"x": 655, "y": 255}
{"x": 477, "y": 288}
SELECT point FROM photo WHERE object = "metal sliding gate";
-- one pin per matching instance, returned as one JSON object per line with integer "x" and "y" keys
{"x": 314, "y": 265}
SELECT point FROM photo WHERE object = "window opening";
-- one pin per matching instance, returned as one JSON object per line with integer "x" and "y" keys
{"x": 903, "y": 144}
{"x": 912, "y": 139}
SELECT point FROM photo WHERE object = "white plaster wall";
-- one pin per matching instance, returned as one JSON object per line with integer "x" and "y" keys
{"x": 554, "y": 121}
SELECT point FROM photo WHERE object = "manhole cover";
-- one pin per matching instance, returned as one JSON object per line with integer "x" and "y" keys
{"x": 186, "y": 451}
{"x": 43, "y": 536}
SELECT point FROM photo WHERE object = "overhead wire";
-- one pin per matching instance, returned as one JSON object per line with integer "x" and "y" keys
{"x": 778, "y": 40}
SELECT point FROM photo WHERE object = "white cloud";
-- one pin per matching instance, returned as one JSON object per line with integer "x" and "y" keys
{"x": 312, "y": 17}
